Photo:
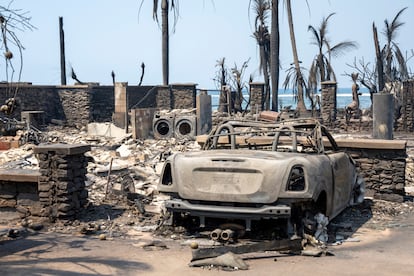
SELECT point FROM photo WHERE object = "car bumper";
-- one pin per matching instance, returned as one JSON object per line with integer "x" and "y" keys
{"x": 231, "y": 212}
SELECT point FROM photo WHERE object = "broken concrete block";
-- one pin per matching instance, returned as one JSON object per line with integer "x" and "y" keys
{"x": 123, "y": 151}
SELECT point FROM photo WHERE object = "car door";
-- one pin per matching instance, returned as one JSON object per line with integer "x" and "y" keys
{"x": 342, "y": 169}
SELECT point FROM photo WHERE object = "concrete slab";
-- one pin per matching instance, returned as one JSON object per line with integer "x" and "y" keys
{"x": 106, "y": 130}
{"x": 19, "y": 175}
{"x": 65, "y": 149}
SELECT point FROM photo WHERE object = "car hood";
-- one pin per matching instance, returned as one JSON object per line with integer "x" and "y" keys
{"x": 233, "y": 175}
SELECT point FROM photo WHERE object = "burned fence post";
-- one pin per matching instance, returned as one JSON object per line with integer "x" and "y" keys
{"x": 62, "y": 53}
{"x": 62, "y": 191}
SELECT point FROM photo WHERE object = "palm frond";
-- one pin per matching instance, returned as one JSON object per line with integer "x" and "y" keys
{"x": 391, "y": 28}
{"x": 314, "y": 75}
{"x": 315, "y": 38}
{"x": 176, "y": 11}
{"x": 330, "y": 73}
{"x": 155, "y": 10}
{"x": 323, "y": 30}
{"x": 261, "y": 9}
{"x": 220, "y": 62}
{"x": 294, "y": 79}
{"x": 342, "y": 47}
{"x": 402, "y": 64}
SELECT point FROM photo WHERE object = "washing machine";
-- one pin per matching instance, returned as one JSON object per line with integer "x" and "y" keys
{"x": 185, "y": 126}
{"x": 163, "y": 126}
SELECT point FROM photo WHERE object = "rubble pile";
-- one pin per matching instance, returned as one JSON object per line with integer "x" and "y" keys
{"x": 121, "y": 178}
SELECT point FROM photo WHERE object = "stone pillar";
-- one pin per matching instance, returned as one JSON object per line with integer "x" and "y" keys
{"x": 121, "y": 105}
{"x": 257, "y": 97}
{"x": 203, "y": 105}
{"x": 328, "y": 102}
{"x": 408, "y": 106}
{"x": 62, "y": 192}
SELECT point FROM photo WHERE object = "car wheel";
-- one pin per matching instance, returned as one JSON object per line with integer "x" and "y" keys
{"x": 358, "y": 192}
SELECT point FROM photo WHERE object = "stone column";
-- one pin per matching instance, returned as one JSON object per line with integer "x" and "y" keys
{"x": 62, "y": 192}
{"x": 256, "y": 96}
{"x": 408, "y": 105}
{"x": 204, "y": 121}
{"x": 328, "y": 102}
{"x": 121, "y": 105}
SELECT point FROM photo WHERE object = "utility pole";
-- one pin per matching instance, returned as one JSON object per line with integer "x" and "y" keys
{"x": 62, "y": 53}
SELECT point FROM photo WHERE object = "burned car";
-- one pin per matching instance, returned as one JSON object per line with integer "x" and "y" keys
{"x": 253, "y": 174}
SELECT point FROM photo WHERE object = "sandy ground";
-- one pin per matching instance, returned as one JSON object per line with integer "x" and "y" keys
{"x": 380, "y": 251}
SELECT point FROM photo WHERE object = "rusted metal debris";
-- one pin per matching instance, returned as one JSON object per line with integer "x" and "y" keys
{"x": 228, "y": 260}
{"x": 274, "y": 245}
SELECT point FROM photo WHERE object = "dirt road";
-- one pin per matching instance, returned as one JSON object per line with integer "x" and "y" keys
{"x": 381, "y": 251}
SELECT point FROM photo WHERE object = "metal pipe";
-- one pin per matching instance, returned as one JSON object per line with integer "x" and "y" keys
{"x": 215, "y": 234}
{"x": 277, "y": 136}
{"x": 232, "y": 139}
{"x": 227, "y": 234}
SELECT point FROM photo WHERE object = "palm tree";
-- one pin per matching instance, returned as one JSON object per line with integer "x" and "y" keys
{"x": 262, "y": 36}
{"x": 379, "y": 63}
{"x": 297, "y": 79}
{"x": 238, "y": 84}
{"x": 274, "y": 53}
{"x": 221, "y": 79}
{"x": 165, "y": 5}
{"x": 321, "y": 68}
{"x": 392, "y": 54}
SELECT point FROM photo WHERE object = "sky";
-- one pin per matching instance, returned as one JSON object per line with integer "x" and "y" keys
{"x": 106, "y": 35}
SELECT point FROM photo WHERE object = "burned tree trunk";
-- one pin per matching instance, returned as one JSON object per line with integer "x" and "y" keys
{"x": 62, "y": 53}
{"x": 380, "y": 65}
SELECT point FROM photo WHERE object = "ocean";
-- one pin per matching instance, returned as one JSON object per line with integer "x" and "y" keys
{"x": 286, "y": 98}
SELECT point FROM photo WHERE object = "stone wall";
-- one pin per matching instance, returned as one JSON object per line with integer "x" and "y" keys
{"x": 176, "y": 96}
{"x": 102, "y": 103}
{"x": 142, "y": 96}
{"x": 383, "y": 169}
{"x": 164, "y": 98}
{"x": 362, "y": 125}
{"x": 75, "y": 101}
{"x": 77, "y": 105}
{"x": 183, "y": 96}
{"x": 22, "y": 196}
{"x": 33, "y": 98}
